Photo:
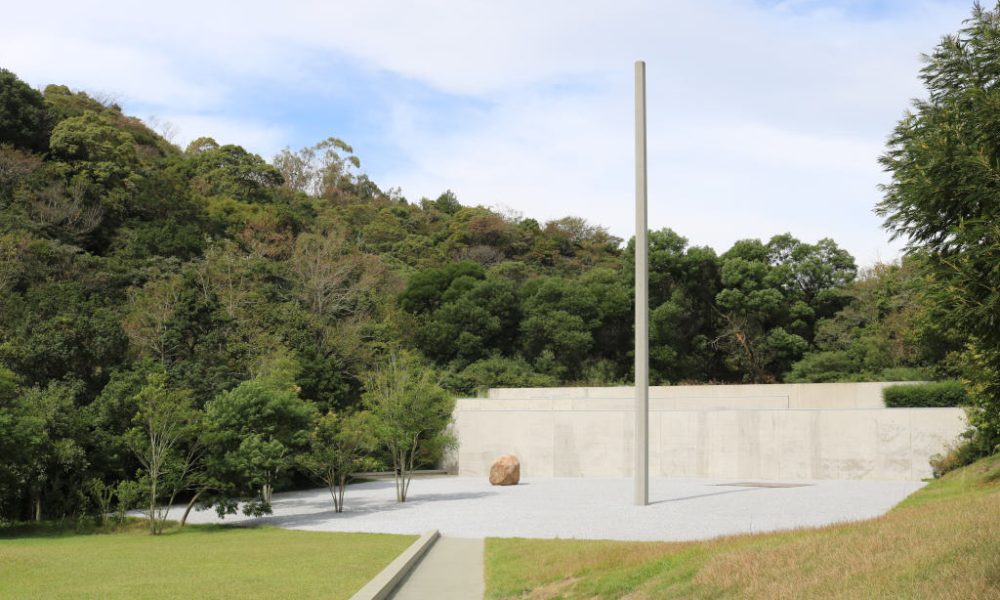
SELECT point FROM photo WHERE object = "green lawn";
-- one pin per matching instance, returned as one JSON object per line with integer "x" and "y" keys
{"x": 943, "y": 543}
{"x": 194, "y": 562}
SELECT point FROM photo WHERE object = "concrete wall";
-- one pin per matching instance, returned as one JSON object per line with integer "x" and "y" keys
{"x": 793, "y": 431}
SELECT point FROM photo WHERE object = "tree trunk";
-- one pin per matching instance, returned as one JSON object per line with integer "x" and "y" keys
{"x": 398, "y": 474}
{"x": 38, "y": 507}
{"x": 190, "y": 505}
{"x": 340, "y": 492}
{"x": 332, "y": 485}
{"x": 409, "y": 465}
{"x": 152, "y": 508}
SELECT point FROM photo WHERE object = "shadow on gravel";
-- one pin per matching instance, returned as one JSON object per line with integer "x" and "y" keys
{"x": 668, "y": 500}
{"x": 354, "y": 508}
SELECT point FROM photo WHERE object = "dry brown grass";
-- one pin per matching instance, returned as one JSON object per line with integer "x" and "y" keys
{"x": 933, "y": 551}
{"x": 943, "y": 543}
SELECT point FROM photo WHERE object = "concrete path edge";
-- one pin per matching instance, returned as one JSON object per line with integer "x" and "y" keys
{"x": 383, "y": 584}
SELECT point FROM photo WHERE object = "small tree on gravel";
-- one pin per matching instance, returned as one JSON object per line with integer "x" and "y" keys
{"x": 165, "y": 441}
{"x": 410, "y": 412}
{"x": 338, "y": 447}
{"x": 257, "y": 429}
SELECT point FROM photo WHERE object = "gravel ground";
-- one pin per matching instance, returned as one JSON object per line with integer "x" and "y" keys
{"x": 680, "y": 509}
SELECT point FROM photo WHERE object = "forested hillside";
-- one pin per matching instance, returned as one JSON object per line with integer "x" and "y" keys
{"x": 127, "y": 262}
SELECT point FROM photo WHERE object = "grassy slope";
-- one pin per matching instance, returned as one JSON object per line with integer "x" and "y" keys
{"x": 942, "y": 542}
{"x": 194, "y": 562}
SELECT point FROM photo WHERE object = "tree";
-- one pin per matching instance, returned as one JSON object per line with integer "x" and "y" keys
{"x": 15, "y": 435}
{"x": 683, "y": 282}
{"x": 426, "y": 289}
{"x": 100, "y": 171}
{"x": 324, "y": 169}
{"x": 64, "y": 103}
{"x": 338, "y": 447}
{"x": 296, "y": 168}
{"x": 257, "y": 429}
{"x": 772, "y": 295}
{"x": 200, "y": 145}
{"x": 65, "y": 210}
{"x": 150, "y": 310}
{"x": 410, "y": 412}
{"x": 944, "y": 197}
{"x": 165, "y": 440}
{"x": 44, "y": 455}
{"x": 16, "y": 168}
{"x": 59, "y": 331}
{"x": 336, "y": 160}
{"x": 890, "y": 330}
{"x": 24, "y": 120}
{"x": 561, "y": 316}
{"x": 333, "y": 277}
{"x": 93, "y": 137}
{"x": 230, "y": 171}
{"x": 748, "y": 305}
{"x": 475, "y": 318}
{"x": 576, "y": 238}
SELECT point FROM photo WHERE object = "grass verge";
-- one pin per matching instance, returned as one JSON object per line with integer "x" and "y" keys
{"x": 194, "y": 562}
{"x": 941, "y": 542}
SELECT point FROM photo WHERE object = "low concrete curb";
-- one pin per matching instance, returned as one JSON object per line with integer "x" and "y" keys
{"x": 383, "y": 584}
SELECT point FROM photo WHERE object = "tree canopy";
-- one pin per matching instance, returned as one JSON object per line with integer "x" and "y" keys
{"x": 944, "y": 198}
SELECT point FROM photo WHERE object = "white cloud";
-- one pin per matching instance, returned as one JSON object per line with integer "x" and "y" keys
{"x": 136, "y": 73}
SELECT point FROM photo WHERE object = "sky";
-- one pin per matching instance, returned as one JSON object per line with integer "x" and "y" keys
{"x": 764, "y": 116}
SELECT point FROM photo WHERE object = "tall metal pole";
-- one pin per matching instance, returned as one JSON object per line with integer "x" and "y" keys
{"x": 641, "y": 295}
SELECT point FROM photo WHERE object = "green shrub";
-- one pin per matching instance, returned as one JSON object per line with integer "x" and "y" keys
{"x": 938, "y": 393}
{"x": 954, "y": 456}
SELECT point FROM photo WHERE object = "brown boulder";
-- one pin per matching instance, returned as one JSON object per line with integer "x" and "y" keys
{"x": 506, "y": 470}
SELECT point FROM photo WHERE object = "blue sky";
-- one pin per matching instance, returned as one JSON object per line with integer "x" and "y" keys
{"x": 766, "y": 116}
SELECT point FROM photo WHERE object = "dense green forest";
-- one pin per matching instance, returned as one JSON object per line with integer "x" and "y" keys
{"x": 135, "y": 274}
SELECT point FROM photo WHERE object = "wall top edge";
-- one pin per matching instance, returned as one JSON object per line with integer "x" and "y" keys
{"x": 867, "y": 392}
{"x": 471, "y": 405}
{"x": 565, "y": 391}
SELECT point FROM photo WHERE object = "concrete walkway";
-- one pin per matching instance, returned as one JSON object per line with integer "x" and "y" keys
{"x": 451, "y": 570}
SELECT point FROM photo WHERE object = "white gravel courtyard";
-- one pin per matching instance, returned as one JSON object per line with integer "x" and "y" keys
{"x": 680, "y": 509}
